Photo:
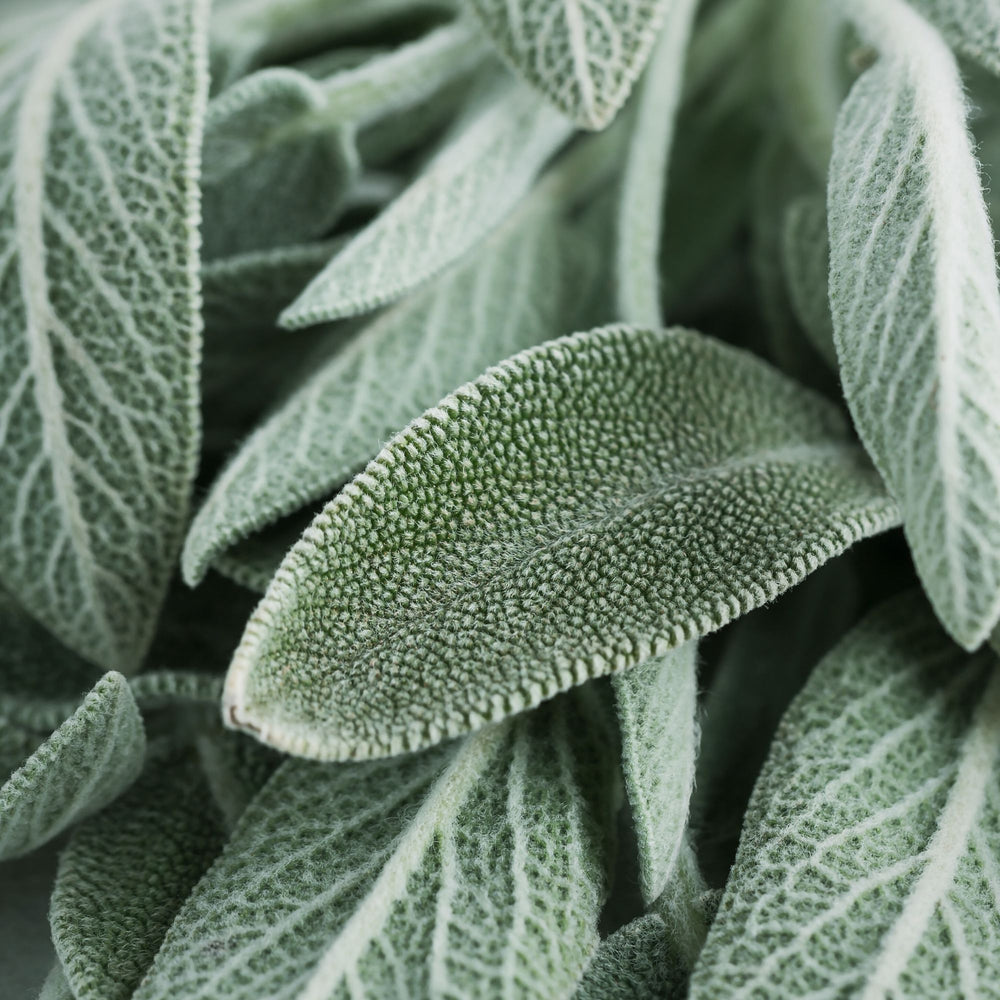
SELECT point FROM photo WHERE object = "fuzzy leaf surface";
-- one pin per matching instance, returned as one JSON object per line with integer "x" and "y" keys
{"x": 583, "y": 56}
{"x": 916, "y": 311}
{"x": 656, "y": 719}
{"x": 86, "y": 763}
{"x": 99, "y": 318}
{"x": 516, "y": 291}
{"x": 581, "y": 508}
{"x": 970, "y": 26}
{"x": 867, "y": 865}
{"x": 471, "y": 870}
{"x": 124, "y": 875}
{"x": 475, "y": 180}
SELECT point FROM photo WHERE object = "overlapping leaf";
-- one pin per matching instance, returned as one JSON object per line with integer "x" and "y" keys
{"x": 516, "y": 291}
{"x": 867, "y": 865}
{"x": 86, "y": 763}
{"x": 913, "y": 291}
{"x": 469, "y": 870}
{"x": 584, "y": 56}
{"x": 477, "y": 177}
{"x": 99, "y": 323}
{"x": 585, "y": 506}
{"x": 970, "y": 26}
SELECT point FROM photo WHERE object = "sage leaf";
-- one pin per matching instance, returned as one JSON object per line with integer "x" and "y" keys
{"x": 92, "y": 757}
{"x": 516, "y": 291}
{"x": 474, "y": 181}
{"x": 913, "y": 291}
{"x": 972, "y": 28}
{"x": 253, "y": 561}
{"x": 656, "y": 718}
{"x": 99, "y": 424}
{"x": 584, "y": 57}
{"x": 55, "y": 986}
{"x": 867, "y": 863}
{"x": 581, "y": 508}
{"x": 471, "y": 870}
{"x": 805, "y": 248}
{"x": 124, "y": 875}
{"x": 645, "y": 171}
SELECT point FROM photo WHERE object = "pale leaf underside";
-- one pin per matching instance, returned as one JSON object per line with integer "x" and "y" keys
{"x": 584, "y": 506}
{"x": 867, "y": 866}
{"x": 99, "y": 324}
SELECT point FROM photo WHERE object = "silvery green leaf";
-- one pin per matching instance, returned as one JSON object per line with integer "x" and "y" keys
{"x": 808, "y": 75}
{"x": 472, "y": 870}
{"x": 55, "y": 986}
{"x": 764, "y": 661}
{"x": 971, "y": 26}
{"x": 235, "y": 768}
{"x": 581, "y": 508}
{"x": 867, "y": 865}
{"x": 254, "y": 560}
{"x": 913, "y": 291}
{"x": 124, "y": 875}
{"x": 99, "y": 317}
{"x": 805, "y": 250}
{"x": 162, "y": 688}
{"x": 17, "y": 744}
{"x": 273, "y": 174}
{"x": 515, "y": 291}
{"x": 584, "y": 57}
{"x": 88, "y": 761}
{"x": 645, "y": 174}
{"x": 474, "y": 181}
{"x": 248, "y": 291}
{"x": 656, "y": 717}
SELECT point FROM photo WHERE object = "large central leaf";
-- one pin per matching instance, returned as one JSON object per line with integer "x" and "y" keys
{"x": 577, "y": 509}
{"x": 99, "y": 317}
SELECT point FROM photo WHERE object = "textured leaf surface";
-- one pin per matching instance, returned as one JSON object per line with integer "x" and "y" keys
{"x": 868, "y": 865}
{"x": 99, "y": 317}
{"x": 124, "y": 875}
{"x": 806, "y": 253}
{"x": 584, "y": 55}
{"x": 473, "y": 182}
{"x": 585, "y": 506}
{"x": 85, "y": 764}
{"x": 645, "y": 175}
{"x": 656, "y": 717}
{"x": 916, "y": 312}
{"x": 971, "y": 26}
{"x": 514, "y": 293}
{"x": 470, "y": 870}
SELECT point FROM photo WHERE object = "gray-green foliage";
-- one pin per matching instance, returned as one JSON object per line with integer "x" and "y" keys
{"x": 913, "y": 290}
{"x": 972, "y": 27}
{"x": 867, "y": 865}
{"x": 82, "y": 766}
{"x": 99, "y": 316}
{"x": 544, "y": 485}
{"x": 473, "y": 869}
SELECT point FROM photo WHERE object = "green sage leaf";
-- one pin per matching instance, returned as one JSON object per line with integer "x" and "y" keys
{"x": 99, "y": 317}
{"x": 477, "y": 177}
{"x": 584, "y": 57}
{"x": 470, "y": 870}
{"x": 88, "y": 761}
{"x": 972, "y": 28}
{"x": 913, "y": 290}
{"x": 867, "y": 863}
{"x": 581, "y": 508}
{"x": 124, "y": 875}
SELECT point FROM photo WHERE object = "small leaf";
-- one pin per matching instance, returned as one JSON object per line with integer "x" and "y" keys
{"x": 124, "y": 875}
{"x": 99, "y": 319}
{"x": 253, "y": 561}
{"x": 805, "y": 248}
{"x": 583, "y": 56}
{"x": 643, "y": 184}
{"x": 471, "y": 870}
{"x": 656, "y": 717}
{"x": 475, "y": 180}
{"x": 867, "y": 863}
{"x": 581, "y": 508}
{"x": 970, "y": 26}
{"x": 80, "y": 768}
{"x": 517, "y": 290}
{"x": 916, "y": 312}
